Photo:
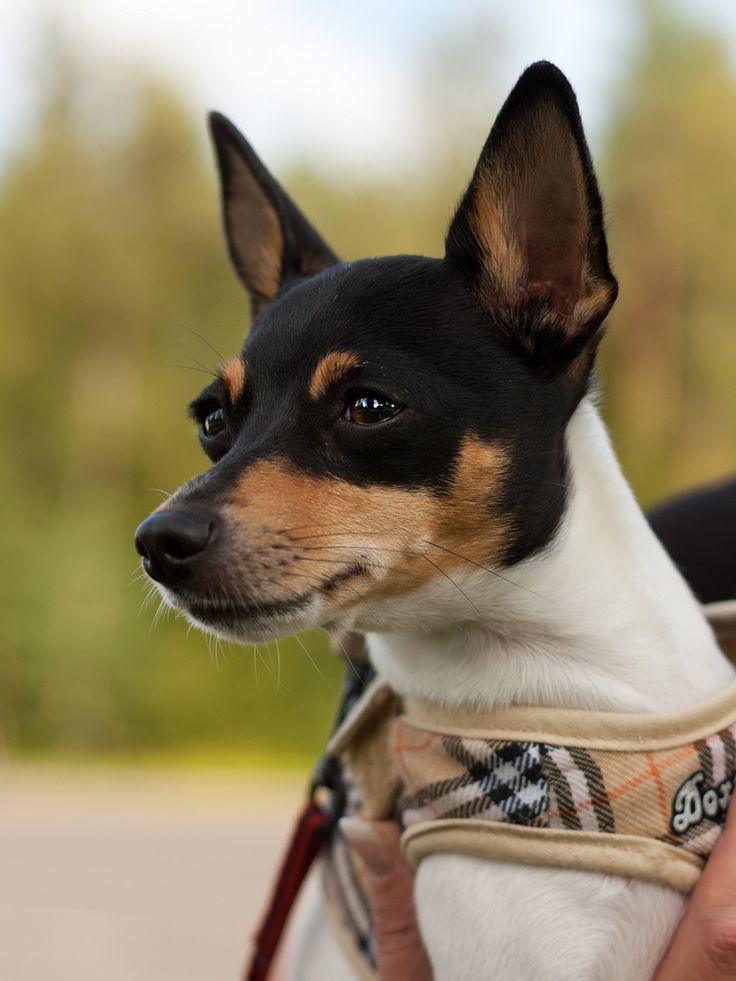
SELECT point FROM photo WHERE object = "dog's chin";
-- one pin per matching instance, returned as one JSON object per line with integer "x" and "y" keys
{"x": 254, "y": 621}
{"x": 247, "y": 624}
{"x": 255, "y": 627}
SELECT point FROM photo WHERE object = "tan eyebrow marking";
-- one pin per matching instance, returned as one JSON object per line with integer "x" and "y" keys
{"x": 332, "y": 368}
{"x": 232, "y": 376}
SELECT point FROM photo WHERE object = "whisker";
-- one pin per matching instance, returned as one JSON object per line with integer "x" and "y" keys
{"x": 443, "y": 548}
{"x": 255, "y": 667}
{"x": 203, "y": 367}
{"x": 161, "y": 613}
{"x": 450, "y": 579}
{"x": 191, "y": 367}
{"x": 265, "y": 663}
{"x": 353, "y": 532}
{"x": 278, "y": 665}
{"x": 208, "y": 645}
{"x": 485, "y": 568}
{"x": 165, "y": 495}
{"x": 204, "y": 340}
{"x": 314, "y": 663}
{"x": 150, "y": 592}
{"x": 349, "y": 659}
{"x": 354, "y": 548}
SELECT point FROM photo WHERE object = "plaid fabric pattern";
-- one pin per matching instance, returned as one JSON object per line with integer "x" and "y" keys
{"x": 677, "y": 795}
{"x": 343, "y": 887}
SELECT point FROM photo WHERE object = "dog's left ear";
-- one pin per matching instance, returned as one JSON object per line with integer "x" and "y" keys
{"x": 271, "y": 243}
{"x": 529, "y": 229}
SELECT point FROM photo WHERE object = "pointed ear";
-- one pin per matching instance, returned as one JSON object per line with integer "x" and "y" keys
{"x": 529, "y": 229}
{"x": 270, "y": 241}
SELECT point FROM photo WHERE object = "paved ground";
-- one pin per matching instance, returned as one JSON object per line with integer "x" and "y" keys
{"x": 129, "y": 875}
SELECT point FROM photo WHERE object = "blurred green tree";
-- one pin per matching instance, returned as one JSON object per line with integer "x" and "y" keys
{"x": 110, "y": 261}
{"x": 670, "y": 359}
{"x": 116, "y": 297}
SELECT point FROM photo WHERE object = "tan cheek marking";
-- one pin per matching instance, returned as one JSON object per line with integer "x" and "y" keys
{"x": 394, "y": 525}
{"x": 233, "y": 378}
{"x": 471, "y": 519}
{"x": 332, "y": 368}
{"x": 333, "y": 519}
{"x": 465, "y": 529}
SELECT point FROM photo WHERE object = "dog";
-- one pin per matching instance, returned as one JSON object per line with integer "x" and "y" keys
{"x": 409, "y": 448}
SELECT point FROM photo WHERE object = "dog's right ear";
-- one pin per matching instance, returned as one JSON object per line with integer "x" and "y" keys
{"x": 271, "y": 243}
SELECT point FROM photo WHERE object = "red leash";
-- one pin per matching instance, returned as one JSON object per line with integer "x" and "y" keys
{"x": 306, "y": 841}
{"x": 310, "y": 833}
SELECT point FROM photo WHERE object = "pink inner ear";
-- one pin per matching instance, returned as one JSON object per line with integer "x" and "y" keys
{"x": 553, "y": 240}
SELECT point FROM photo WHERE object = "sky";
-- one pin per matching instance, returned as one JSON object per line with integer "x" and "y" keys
{"x": 319, "y": 79}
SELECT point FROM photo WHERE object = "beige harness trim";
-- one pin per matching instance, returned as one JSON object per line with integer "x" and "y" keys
{"x": 627, "y": 794}
{"x": 590, "y": 851}
{"x": 594, "y": 730}
{"x": 364, "y": 741}
{"x": 610, "y": 731}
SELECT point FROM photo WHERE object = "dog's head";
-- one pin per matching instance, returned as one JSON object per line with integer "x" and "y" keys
{"x": 393, "y": 424}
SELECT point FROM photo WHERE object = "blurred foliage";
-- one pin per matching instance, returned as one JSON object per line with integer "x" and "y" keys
{"x": 110, "y": 258}
{"x": 670, "y": 181}
{"x": 116, "y": 299}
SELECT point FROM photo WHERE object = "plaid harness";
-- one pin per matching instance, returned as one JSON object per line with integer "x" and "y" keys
{"x": 643, "y": 796}
{"x": 652, "y": 812}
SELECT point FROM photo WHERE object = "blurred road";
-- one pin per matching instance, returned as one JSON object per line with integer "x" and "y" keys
{"x": 135, "y": 875}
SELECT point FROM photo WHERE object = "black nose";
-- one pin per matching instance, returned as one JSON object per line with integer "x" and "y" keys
{"x": 170, "y": 541}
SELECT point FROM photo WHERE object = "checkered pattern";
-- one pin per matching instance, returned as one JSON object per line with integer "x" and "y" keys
{"x": 678, "y": 795}
{"x": 343, "y": 887}
{"x": 504, "y": 781}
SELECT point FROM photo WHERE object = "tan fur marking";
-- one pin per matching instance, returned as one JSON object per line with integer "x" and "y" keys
{"x": 332, "y": 368}
{"x": 232, "y": 376}
{"x": 503, "y": 254}
{"x": 406, "y": 538}
{"x": 595, "y": 302}
{"x": 518, "y": 192}
{"x": 256, "y": 236}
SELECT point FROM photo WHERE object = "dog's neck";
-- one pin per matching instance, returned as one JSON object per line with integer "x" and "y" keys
{"x": 600, "y": 619}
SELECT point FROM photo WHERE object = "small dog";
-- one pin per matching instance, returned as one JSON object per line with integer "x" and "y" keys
{"x": 408, "y": 447}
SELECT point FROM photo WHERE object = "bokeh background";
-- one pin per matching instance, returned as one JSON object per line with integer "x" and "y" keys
{"x": 116, "y": 299}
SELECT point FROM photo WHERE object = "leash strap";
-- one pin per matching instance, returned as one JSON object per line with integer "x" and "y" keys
{"x": 312, "y": 830}
{"x": 307, "y": 838}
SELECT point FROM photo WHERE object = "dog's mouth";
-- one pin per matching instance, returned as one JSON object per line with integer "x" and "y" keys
{"x": 236, "y": 617}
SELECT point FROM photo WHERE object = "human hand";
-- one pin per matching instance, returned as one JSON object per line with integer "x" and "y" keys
{"x": 389, "y": 880}
{"x": 704, "y": 944}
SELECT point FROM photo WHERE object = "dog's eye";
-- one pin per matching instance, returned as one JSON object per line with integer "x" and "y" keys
{"x": 213, "y": 423}
{"x": 370, "y": 408}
